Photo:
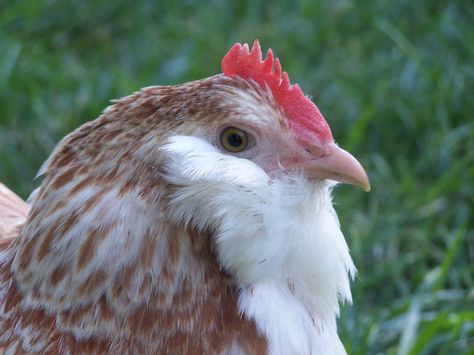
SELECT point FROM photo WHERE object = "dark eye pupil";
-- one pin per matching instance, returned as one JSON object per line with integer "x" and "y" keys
{"x": 234, "y": 140}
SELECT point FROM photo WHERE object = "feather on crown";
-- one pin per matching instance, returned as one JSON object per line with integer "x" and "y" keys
{"x": 303, "y": 115}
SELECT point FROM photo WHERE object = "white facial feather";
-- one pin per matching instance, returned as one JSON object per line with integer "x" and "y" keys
{"x": 280, "y": 238}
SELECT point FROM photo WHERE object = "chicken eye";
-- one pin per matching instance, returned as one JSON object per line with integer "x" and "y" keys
{"x": 234, "y": 140}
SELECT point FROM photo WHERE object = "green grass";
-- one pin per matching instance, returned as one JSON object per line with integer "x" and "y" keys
{"x": 395, "y": 80}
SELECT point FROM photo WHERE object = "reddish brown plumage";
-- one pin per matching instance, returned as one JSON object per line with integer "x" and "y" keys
{"x": 141, "y": 307}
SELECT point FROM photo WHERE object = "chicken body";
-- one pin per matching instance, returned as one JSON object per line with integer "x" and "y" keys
{"x": 148, "y": 236}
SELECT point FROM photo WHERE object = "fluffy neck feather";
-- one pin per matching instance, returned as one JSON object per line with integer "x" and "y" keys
{"x": 280, "y": 239}
{"x": 131, "y": 279}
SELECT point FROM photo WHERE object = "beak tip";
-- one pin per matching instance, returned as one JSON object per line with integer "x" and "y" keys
{"x": 364, "y": 182}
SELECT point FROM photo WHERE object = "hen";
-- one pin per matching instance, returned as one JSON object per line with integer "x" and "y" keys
{"x": 188, "y": 219}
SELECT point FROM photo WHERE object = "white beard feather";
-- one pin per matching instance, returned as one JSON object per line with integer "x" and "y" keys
{"x": 279, "y": 238}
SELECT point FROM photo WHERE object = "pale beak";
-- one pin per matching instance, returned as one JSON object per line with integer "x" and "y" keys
{"x": 339, "y": 165}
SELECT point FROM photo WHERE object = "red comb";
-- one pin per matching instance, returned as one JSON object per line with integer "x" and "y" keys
{"x": 303, "y": 115}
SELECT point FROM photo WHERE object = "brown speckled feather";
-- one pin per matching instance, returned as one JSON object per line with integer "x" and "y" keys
{"x": 98, "y": 267}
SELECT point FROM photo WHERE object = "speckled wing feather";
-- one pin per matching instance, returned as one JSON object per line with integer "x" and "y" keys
{"x": 13, "y": 212}
{"x": 84, "y": 278}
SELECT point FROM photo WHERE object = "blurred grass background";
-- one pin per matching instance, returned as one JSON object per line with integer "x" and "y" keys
{"x": 395, "y": 79}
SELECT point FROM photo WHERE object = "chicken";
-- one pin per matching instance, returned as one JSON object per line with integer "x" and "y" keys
{"x": 188, "y": 219}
